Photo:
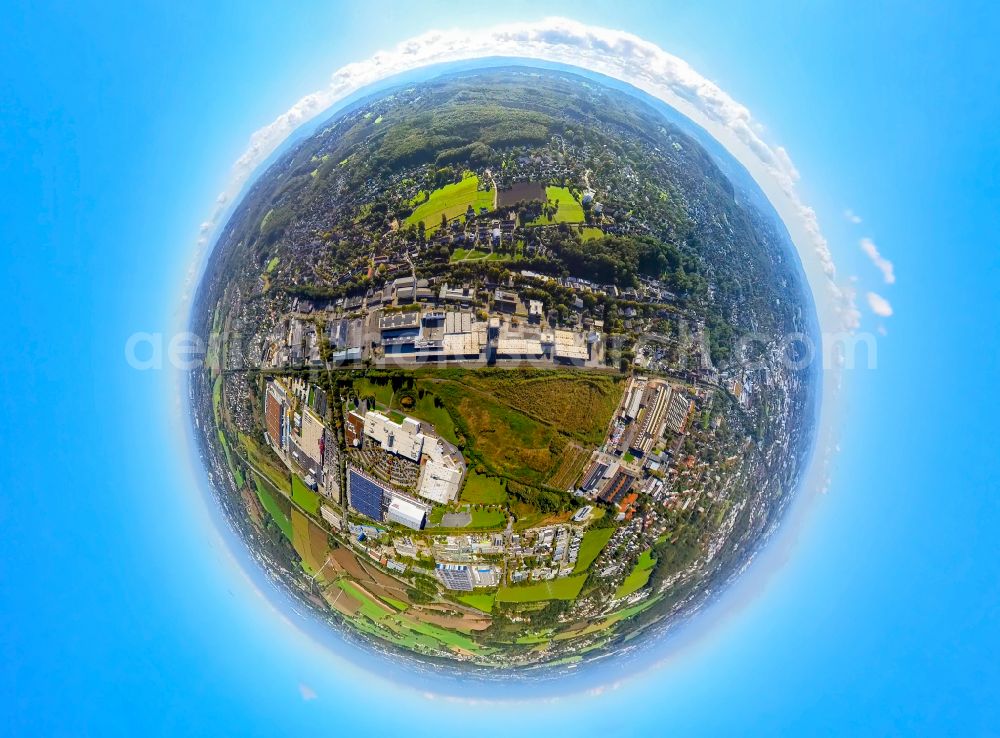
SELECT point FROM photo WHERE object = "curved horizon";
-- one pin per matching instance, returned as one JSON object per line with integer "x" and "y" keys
{"x": 682, "y": 630}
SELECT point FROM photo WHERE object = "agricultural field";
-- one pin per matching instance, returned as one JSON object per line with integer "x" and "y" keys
{"x": 451, "y": 200}
{"x": 566, "y": 588}
{"x": 304, "y": 497}
{"x": 379, "y": 618}
{"x": 273, "y": 507}
{"x": 571, "y": 467}
{"x": 309, "y": 540}
{"x": 482, "y": 602}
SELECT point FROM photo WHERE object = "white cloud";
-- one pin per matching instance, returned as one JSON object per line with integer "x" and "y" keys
{"x": 307, "y": 692}
{"x": 616, "y": 54}
{"x": 850, "y": 316}
{"x": 852, "y": 217}
{"x": 880, "y": 262}
{"x": 879, "y": 305}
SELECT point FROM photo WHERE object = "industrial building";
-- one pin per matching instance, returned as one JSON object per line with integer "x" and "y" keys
{"x": 276, "y": 414}
{"x": 568, "y": 349}
{"x": 440, "y": 482}
{"x": 678, "y": 412}
{"x": 484, "y": 575}
{"x": 454, "y": 576}
{"x": 404, "y": 439}
{"x": 651, "y": 428}
{"x": 407, "y": 512}
{"x": 354, "y": 429}
{"x": 366, "y": 495}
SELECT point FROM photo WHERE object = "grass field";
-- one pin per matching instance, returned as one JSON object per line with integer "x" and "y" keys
{"x": 381, "y": 392}
{"x": 452, "y": 200}
{"x": 470, "y": 255}
{"x": 639, "y": 575}
{"x": 237, "y": 474}
{"x": 593, "y": 543}
{"x": 487, "y": 519}
{"x": 217, "y": 398}
{"x": 566, "y": 588}
{"x": 270, "y": 504}
{"x": 569, "y": 211}
{"x": 303, "y": 496}
{"x": 482, "y": 489}
{"x": 482, "y": 602}
{"x": 587, "y": 233}
{"x": 510, "y": 442}
{"x": 272, "y": 264}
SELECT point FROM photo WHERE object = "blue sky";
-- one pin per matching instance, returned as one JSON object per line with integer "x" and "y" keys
{"x": 122, "y": 607}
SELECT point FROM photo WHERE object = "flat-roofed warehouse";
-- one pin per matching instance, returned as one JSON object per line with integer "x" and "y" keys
{"x": 408, "y": 321}
{"x": 365, "y": 494}
{"x": 519, "y": 348}
{"x": 439, "y": 482}
{"x": 461, "y": 345}
{"x": 678, "y": 411}
{"x": 569, "y": 348}
{"x": 456, "y": 322}
{"x": 311, "y": 436}
{"x": 406, "y": 512}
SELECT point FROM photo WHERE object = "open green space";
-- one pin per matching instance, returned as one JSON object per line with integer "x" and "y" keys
{"x": 519, "y": 422}
{"x": 588, "y": 233}
{"x": 482, "y": 602}
{"x": 261, "y": 459}
{"x": 304, "y": 497}
{"x": 272, "y": 264}
{"x": 639, "y": 575}
{"x": 382, "y": 393}
{"x": 217, "y": 398}
{"x": 567, "y": 208}
{"x": 451, "y": 200}
{"x": 594, "y": 541}
{"x": 487, "y": 519}
{"x": 470, "y": 255}
{"x": 398, "y": 604}
{"x": 482, "y": 489}
{"x": 237, "y": 474}
{"x": 564, "y": 588}
{"x": 270, "y": 503}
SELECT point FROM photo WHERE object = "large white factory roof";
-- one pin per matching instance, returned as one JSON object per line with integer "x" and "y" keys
{"x": 403, "y": 438}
